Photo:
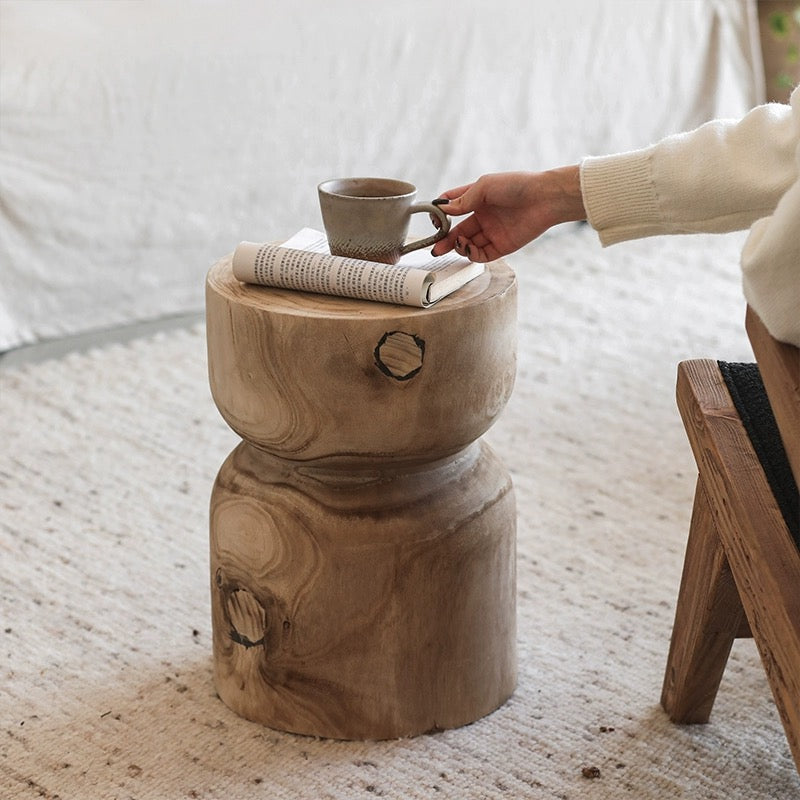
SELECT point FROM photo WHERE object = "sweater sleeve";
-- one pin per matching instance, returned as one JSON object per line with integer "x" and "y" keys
{"x": 726, "y": 175}
{"x": 720, "y": 177}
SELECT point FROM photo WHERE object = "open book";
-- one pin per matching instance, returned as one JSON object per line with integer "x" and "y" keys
{"x": 304, "y": 263}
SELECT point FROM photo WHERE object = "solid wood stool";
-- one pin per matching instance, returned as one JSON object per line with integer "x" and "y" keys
{"x": 363, "y": 538}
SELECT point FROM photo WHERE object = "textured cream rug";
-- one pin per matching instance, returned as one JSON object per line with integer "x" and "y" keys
{"x": 106, "y": 465}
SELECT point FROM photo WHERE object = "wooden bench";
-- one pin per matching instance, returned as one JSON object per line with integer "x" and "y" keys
{"x": 741, "y": 574}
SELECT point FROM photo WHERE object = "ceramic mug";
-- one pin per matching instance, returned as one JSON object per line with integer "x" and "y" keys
{"x": 368, "y": 218}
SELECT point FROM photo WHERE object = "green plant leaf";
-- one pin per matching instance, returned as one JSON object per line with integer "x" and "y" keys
{"x": 779, "y": 24}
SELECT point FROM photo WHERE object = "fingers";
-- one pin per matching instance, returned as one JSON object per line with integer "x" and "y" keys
{"x": 467, "y": 248}
{"x": 448, "y": 243}
{"x": 456, "y": 202}
{"x": 452, "y": 194}
{"x": 452, "y": 201}
{"x": 478, "y": 249}
{"x": 468, "y": 240}
{"x": 441, "y": 247}
{"x": 482, "y": 255}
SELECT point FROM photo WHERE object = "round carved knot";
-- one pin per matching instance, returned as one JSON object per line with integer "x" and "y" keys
{"x": 248, "y": 619}
{"x": 399, "y": 355}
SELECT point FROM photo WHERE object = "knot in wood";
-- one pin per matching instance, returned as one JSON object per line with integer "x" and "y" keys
{"x": 399, "y": 355}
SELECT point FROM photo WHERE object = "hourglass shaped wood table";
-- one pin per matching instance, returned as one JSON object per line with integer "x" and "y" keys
{"x": 362, "y": 536}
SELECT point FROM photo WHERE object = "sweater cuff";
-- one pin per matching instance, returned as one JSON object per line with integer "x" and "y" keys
{"x": 619, "y": 196}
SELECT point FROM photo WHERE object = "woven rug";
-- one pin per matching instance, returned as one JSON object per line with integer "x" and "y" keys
{"x": 106, "y": 465}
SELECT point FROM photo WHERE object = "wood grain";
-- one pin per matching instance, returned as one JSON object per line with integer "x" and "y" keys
{"x": 763, "y": 558}
{"x": 363, "y": 609}
{"x": 707, "y": 620}
{"x": 314, "y": 377}
{"x": 362, "y": 543}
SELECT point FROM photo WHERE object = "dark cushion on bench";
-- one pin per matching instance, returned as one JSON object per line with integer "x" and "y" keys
{"x": 750, "y": 399}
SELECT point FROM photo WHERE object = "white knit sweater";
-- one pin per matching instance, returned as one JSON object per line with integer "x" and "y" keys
{"x": 726, "y": 175}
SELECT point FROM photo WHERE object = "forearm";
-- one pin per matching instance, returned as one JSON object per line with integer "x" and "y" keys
{"x": 566, "y": 201}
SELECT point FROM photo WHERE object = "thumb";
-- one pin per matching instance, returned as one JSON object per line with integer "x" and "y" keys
{"x": 468, "y": 201}
{"x": 454, "y": 207}
{"x": 458, "y": 201}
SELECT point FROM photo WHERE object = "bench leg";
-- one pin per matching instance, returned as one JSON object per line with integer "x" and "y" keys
{"x": 708, "y": 617}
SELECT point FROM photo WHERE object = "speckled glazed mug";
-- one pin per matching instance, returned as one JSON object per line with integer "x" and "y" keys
{"x": 368, "y": 218}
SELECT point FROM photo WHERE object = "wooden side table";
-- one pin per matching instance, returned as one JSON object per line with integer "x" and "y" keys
{"x": 362, "y": 536}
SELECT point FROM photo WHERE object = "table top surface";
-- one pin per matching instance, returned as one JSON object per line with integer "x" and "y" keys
{"x": 498, "y": 279}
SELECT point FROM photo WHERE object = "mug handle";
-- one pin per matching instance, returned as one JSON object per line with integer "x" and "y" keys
{"x": 428, "y": 241}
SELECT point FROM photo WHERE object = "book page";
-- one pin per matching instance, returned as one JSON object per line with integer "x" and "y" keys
{"x": 304, "y": 263}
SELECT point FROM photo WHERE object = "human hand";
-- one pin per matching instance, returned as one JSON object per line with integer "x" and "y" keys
{"x": 508, "y": 210}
